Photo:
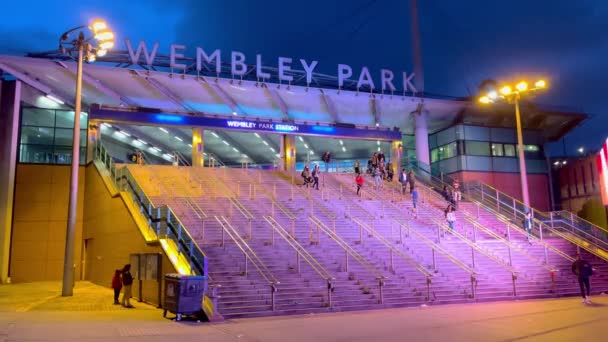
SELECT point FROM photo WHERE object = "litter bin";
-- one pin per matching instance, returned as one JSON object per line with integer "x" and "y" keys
{"x": 184, "y": 294}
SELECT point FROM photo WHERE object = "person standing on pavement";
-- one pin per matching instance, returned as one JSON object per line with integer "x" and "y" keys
{"x": 117, "y": 285}
{"x": 357, "y": 167}
{"x": 583, "y": 270}
{"x": 414, "y": 198}
{"x": 127, "y": 282}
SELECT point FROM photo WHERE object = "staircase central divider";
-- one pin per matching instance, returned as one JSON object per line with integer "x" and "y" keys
{"x": 349, "y": 251}
{"x": 250, "y": 257}
{"x": 435, "y": 247}
{"x": 302, "y": 253}
{"x": 393, "y": 250}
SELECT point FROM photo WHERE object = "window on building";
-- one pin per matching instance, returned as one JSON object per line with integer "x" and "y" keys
{"x": 497, "y": 150}
{"x": 434, "y": 155}
{"x": 46, "y": 136}
{"x": 533, "y": 151}
{"x": 477, "y": 148}
{"x": 509, "y": 150}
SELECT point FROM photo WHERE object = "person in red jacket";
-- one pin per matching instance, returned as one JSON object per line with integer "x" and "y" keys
{"x": 359, "y": 181}
{"x": 117, "y": 285}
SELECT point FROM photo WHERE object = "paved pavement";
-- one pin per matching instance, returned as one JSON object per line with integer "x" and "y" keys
{"x": 36, "y": 312}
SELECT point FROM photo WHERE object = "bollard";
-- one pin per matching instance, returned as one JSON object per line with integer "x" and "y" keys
{"x": 346, "y": 263}
{"x": 293, "y": 228}
{"x": 391, "y": 265}
{"x": 298, "y": 261}
{"x": 473, "y": 280}
{"x": 473, "y": 257}
{"x": 510, "y": 259}
{"x": 246, "y": 265}
{"x": 508, "y": 232}
{"x": 381, "y": 285}
{"x": 330, "y": 289}
{"x": 273, "y": 291}
{"x": 434, "y": 261}
{"x": 514, "y": 277}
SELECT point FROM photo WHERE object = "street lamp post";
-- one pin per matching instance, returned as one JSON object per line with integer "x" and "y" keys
{"x": 95, "y": 44}
{"x": 513, "y": 96}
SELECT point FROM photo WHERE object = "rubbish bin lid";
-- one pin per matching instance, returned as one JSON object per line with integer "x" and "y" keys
{"x": 184, "y": 276}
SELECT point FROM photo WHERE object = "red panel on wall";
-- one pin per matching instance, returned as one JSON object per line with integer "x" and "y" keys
{"x": 602, "y": 167}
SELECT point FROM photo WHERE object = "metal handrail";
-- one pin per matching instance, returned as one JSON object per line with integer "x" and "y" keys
{"x": 427, "y": 274}
{"x": 572, "y": 215}
{"x": 578, "y": 242}
{"x": 241, "y": 208}
{"x": 247, "y": 250}
{"x": 506, "y": 242}
{"x": 347, "y": 248}
{"x": 537, "y": 214}
{"x": 475, "y": 246}
{"x": 539, "y": 240}
{"x": 300, "y": 250}
{"x": 181, "y": 158}
{"x": 584, "y": 237}
{"x": 437, "y": 247}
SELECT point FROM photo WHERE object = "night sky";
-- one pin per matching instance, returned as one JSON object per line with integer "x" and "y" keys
{"x": 463, "y": 42}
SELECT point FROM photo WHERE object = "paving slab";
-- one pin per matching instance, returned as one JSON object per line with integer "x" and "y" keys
{"x": 36, "y": 312}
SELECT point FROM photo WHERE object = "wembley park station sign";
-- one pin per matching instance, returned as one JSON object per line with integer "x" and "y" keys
{"x": 238, "y": 66}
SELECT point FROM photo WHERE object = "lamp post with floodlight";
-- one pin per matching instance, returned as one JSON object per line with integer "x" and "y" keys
{"x": 79, "y": 43}
{"x": 510, "y": 95}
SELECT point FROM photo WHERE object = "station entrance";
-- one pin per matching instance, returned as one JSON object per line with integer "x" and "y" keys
{"x": 164, "y": 138}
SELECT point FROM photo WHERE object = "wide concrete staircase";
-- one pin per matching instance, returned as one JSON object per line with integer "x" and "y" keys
{"x": 276, "y": 247}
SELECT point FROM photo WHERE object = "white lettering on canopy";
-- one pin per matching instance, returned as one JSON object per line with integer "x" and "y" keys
{"x": 202, "y": 56}
{"x": 142, "y": 47}
{"x": 239, "y": 68}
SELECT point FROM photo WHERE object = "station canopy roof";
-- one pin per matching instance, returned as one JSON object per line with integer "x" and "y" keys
{"x": 118, "y": 84}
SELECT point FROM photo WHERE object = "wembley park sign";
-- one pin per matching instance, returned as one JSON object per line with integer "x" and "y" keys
{"x": 285, "y": 65}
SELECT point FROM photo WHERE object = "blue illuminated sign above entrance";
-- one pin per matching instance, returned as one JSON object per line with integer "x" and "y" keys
{"x": 159, "y": 118}
{"x": 264, "y": 126}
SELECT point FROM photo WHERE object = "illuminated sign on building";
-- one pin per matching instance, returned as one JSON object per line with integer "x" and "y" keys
{"x": 238, "y": 68}
{"x": 266, "y": 126}
{"x": 159, "y": 118}
{"x": 602, "y": 167}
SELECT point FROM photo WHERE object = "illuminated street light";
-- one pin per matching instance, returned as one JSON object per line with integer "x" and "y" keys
{"x": 581, "y": 150}
{"x": 513, "y": 96}
{"x": 80, "y": 43}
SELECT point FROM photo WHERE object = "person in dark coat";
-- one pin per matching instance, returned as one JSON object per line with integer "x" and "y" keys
{"x": 583, "y": 270}
{"x": 127, "y": 282}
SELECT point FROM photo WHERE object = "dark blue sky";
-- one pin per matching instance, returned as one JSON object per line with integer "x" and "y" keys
{"x": 463, "y": 42}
